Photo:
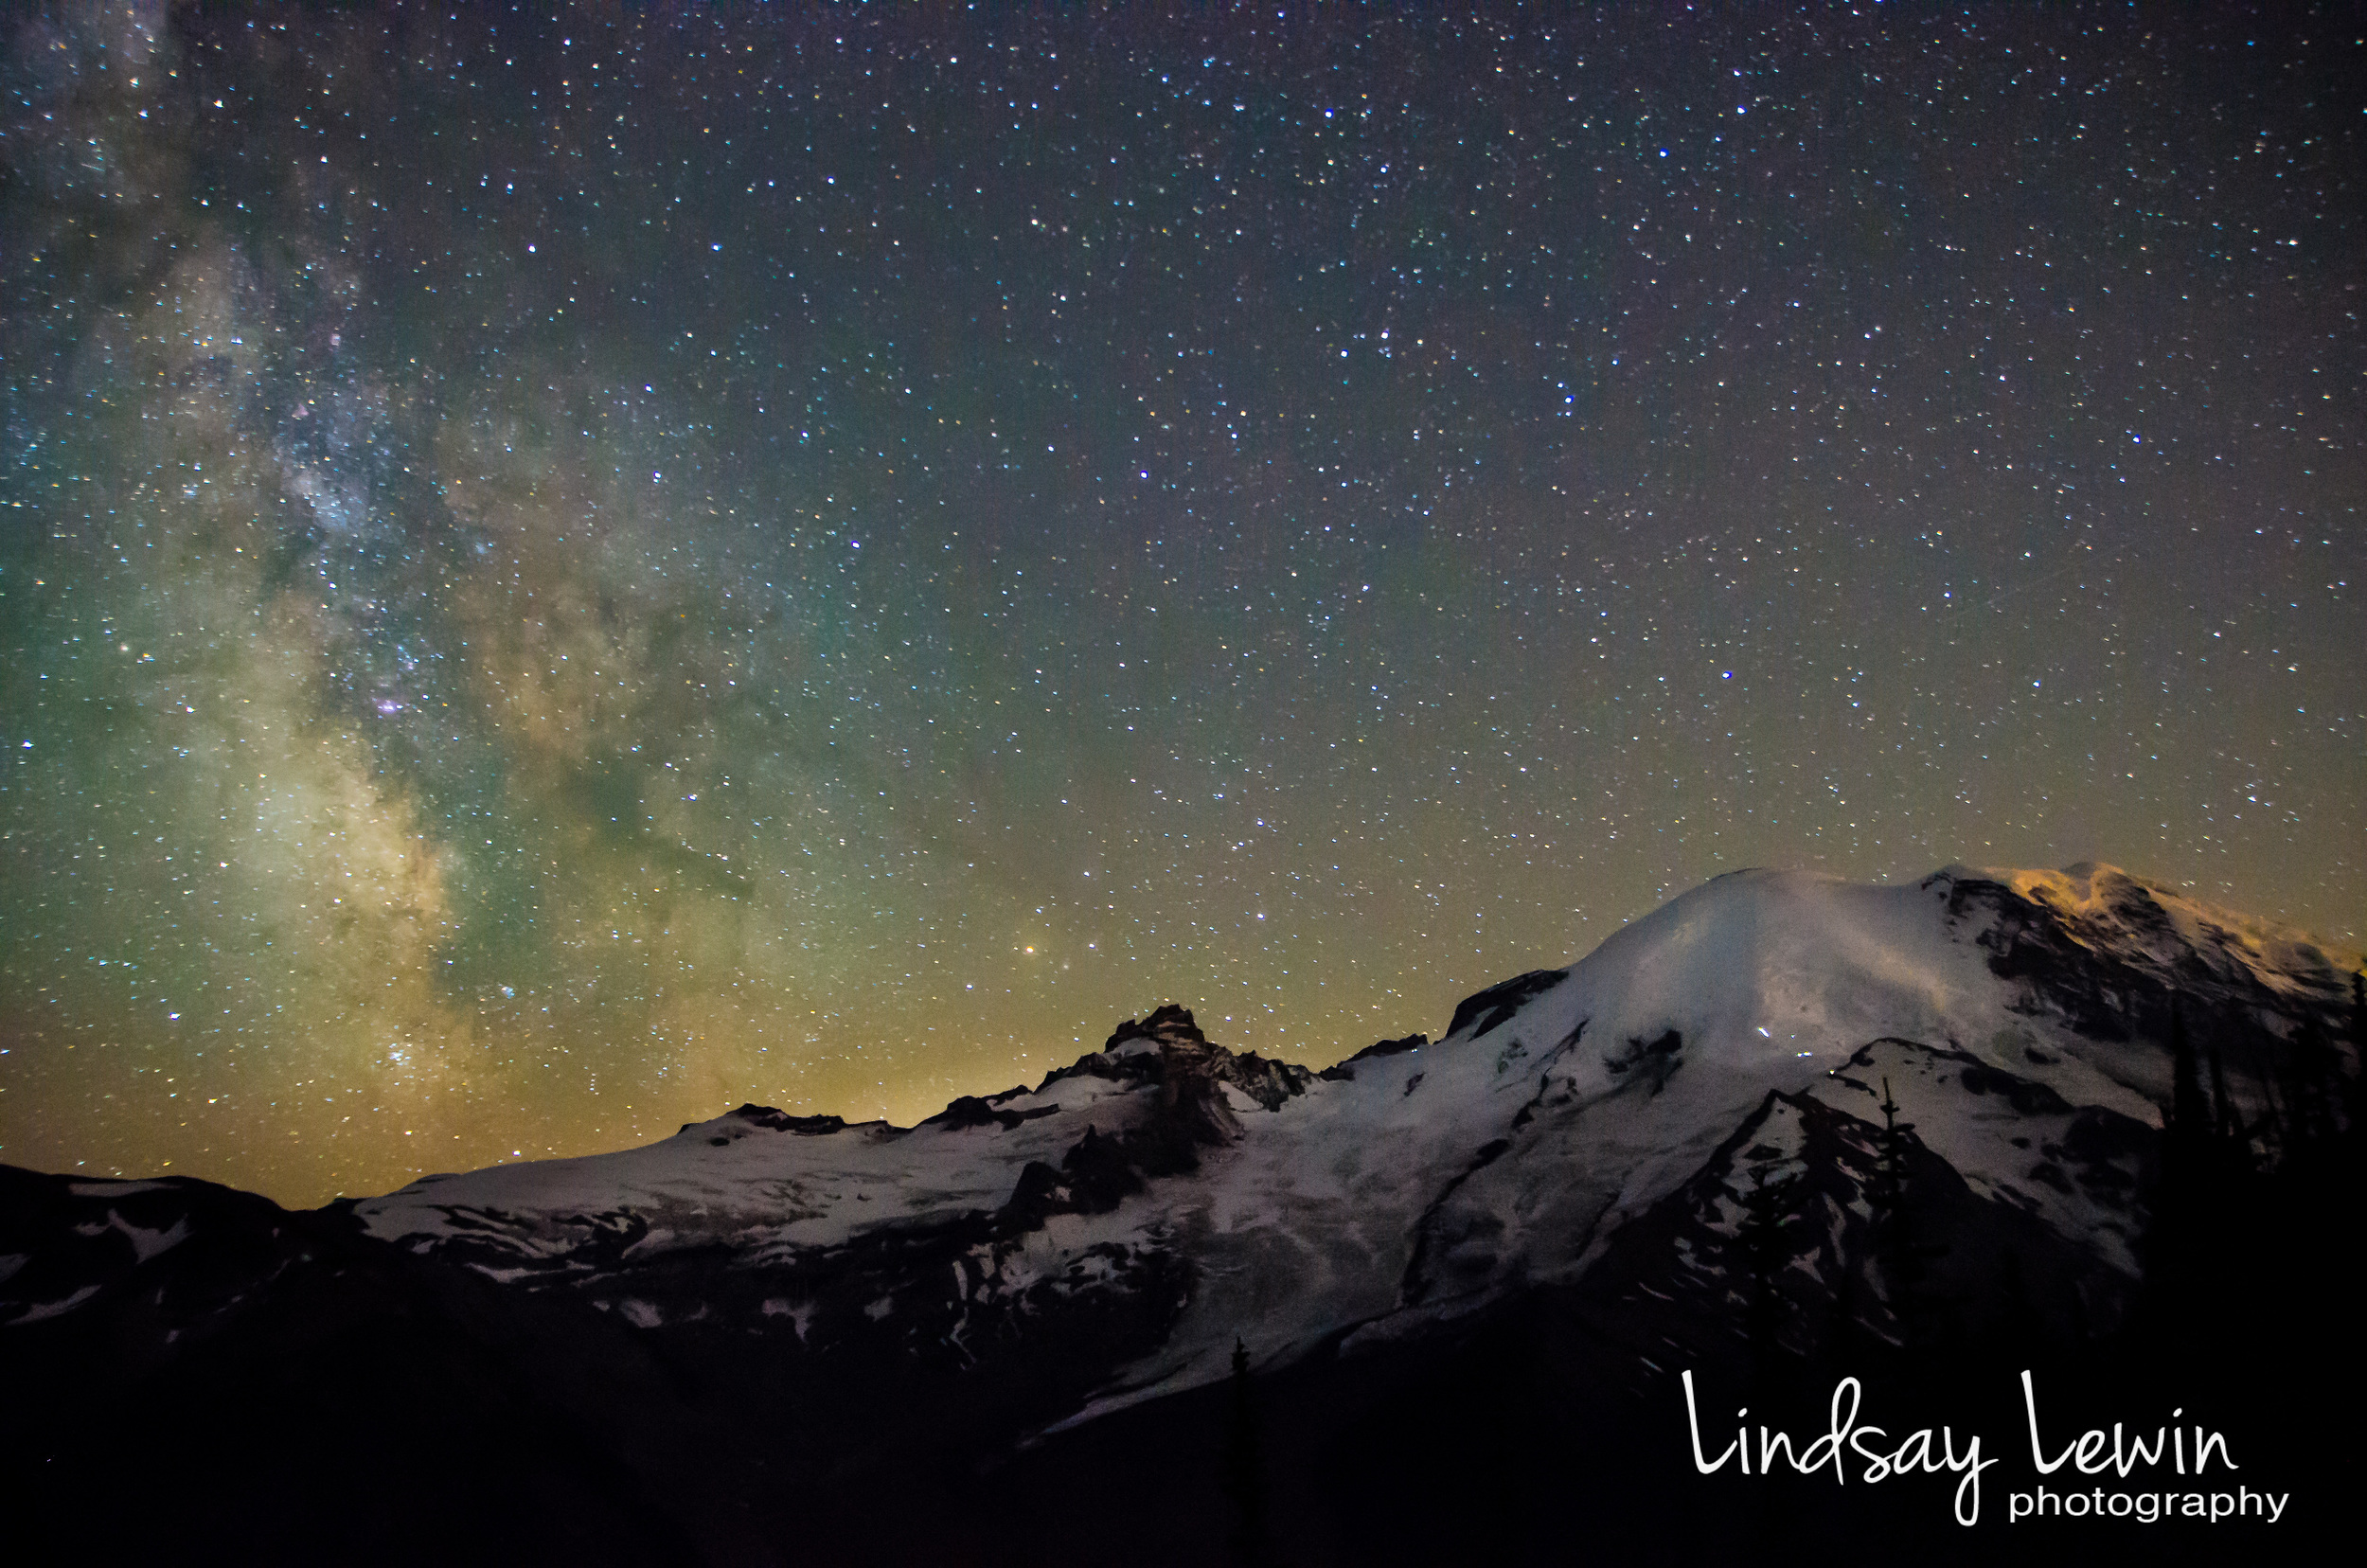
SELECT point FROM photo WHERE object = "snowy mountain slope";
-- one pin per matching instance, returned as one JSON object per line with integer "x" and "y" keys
{"x": 1678, "y": 1284}
{"x": 1782, "y": 1117}
{"x": 2019, "y": 1017}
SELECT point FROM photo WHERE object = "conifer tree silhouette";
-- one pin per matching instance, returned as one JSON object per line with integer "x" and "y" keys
{"x": 1897, "y": 1250}
{"x": 1769, "y": 1221}
{"x": 2190, "y": 1117}
{"x": 2223, "y": 1118}
{"x": 1244, "y": 1465}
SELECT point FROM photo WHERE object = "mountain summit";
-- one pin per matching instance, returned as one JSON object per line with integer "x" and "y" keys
{"x": 1784, "y": 1117}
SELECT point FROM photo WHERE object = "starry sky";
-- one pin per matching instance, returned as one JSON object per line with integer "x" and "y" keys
{"x": 559, "y": 575}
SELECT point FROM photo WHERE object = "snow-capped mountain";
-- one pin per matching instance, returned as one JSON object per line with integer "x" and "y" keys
{"x": 1689, "y": 1138}
{"x": 1204, "y": 1195}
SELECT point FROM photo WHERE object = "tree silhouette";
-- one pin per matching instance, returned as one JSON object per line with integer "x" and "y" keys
{"x": 1899, "y": 1253}
{"x": 1769, "y": 1221}
{"x": 2190, "y": 1115}
{"x": 1244, "y": 1465}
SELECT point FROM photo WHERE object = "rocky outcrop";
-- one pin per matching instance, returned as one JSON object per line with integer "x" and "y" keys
{"x": 1486, "y": 1010}
{"x": 754, "y": 1116}
{"x": 1344, "y": 1071}
{"x": 1187, "y": 1077}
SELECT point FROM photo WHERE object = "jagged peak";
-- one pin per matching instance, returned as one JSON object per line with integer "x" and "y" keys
{"x": 1169, "y": 1024}
{"x": 1167, "y": 1045}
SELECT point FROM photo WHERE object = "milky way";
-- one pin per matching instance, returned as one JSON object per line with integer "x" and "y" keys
{"x": 562, "y": 575}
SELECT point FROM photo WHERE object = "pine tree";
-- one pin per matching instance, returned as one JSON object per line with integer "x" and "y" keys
{"x": 1897, "y": 1251}
{"x": 2190, "y": 1115}
{"x": 1244, "y": 1465}
{"x": 1768, "y": 1225}
{"x": 1845, "y": 1338}
{"x": 2308, "y": 1096}
{"x": 2222, "y": 1111}
{"x": 2195, "y": 1201}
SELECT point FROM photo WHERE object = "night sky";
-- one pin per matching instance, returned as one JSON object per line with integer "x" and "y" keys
{"x": 558, "y": 576}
